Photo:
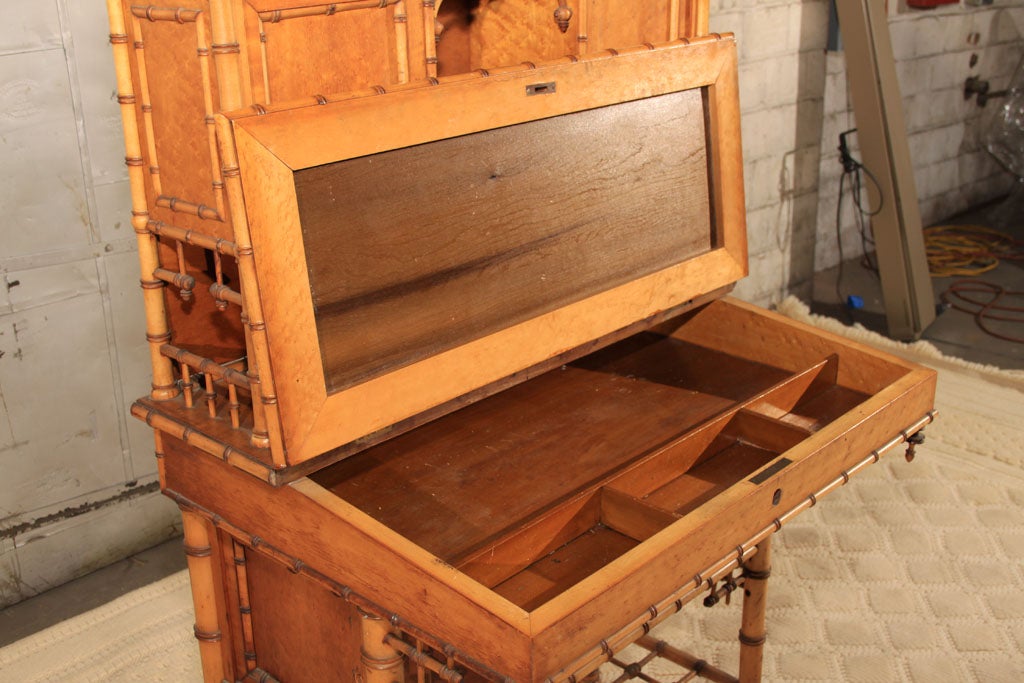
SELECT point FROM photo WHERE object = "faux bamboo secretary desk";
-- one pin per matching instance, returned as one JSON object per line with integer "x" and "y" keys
{"x": 465, "y": 397}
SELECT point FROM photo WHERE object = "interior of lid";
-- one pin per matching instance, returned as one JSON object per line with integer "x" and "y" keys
{"x": 418, "y": 250}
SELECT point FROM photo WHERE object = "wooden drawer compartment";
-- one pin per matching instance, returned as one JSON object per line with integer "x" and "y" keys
{"x": 549, "y": 516}
{"x": 641, "y": 434}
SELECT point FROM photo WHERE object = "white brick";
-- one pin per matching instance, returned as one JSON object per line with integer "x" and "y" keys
{"x": 766, "y": 31}
{"x": 914, "y": 75}
{"x": 46, "y": 207}
{"x": 29, "y": 26}
{"x": 951, "y": 107}
{"x": 940, "y": 178}
{"x": 753, "y": 85}
{"x": 91, "y": 541}
{"x": 1006, "y": 25}
{"x": 928, "y": 36}
{"x": 813, "y": 22}
{"x": 133, "y": 376}
{"x": 936, "y": 209}
{"x": 55, "y": 346}
{"x": 113, "y": 208}
{"x": 949, "y": 70}
{"x": 762, "y": 179}
{"x": 769, "y": 132}
{"x": 902, "y": 35}
{"x": 809, "y": 114}
{"x": 762, "y": 229}
{"x": 837, "y": 97}
{"x": 98, "y": 87}
{"x": 955, "y": 32}
{"x": 812, "y": 74}
{"x": 765, "y": 279}
{"x": 835, "y": 63}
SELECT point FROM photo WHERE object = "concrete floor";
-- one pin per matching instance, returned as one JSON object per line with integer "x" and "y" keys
{"x": 90, "y": 591}
{"x": 954, "y": 332}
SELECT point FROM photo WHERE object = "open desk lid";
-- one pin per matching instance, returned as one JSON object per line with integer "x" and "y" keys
{"x": 417, "y": 248}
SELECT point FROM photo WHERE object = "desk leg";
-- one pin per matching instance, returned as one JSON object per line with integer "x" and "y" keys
{"x": 202, "y": 574}
{"x": 752, "y": 632}
{"x": 381, "y": 662}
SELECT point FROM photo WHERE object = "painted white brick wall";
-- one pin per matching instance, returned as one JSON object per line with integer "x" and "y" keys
{"x": 72, "y": 351}
{"x": 782, "y": 75}
{"x": 72, "y": 348}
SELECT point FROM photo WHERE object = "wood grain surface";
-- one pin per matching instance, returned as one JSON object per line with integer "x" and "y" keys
{"x": 497, "y": 227}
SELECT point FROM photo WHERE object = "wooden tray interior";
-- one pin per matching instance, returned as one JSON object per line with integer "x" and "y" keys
{"x": 537, "y": 487}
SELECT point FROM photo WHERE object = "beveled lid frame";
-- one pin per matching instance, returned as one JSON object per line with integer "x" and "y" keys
{"x": 272, "y": 145}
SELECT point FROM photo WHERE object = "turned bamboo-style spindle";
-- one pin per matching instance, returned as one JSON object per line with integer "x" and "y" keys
{"x": 673, "y": 20}
{"x": 226, "y": 51}
{"x": 756, "y": 571}
{"x": 244, "y": 605}
{"x": 204, "y": 600}
{"x": 401, "y": 19}
{"x": 583, "y": 26}
{"x": 381, "y": 662}
{"x": 259, "y": 437}
{"x": 164, "y": 386}
{"x": 430, "y": 36}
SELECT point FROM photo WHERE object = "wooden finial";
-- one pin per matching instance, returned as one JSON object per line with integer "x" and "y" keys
{"x": 563, "y": 15}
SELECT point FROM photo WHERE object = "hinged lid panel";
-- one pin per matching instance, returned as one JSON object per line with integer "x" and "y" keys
{"x": 427, "y": 244}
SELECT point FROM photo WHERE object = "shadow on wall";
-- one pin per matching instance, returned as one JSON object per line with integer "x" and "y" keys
{"x": 806, "y": 166}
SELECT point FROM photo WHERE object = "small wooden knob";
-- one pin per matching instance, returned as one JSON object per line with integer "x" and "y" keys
{"x": 562, "y": 17}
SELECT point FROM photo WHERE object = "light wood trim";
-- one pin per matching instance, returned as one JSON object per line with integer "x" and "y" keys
{"x": 203, "y": 579}
{"x": 313, "y": 6}
{"x": 259, "y": 355}
{"x": 882, "y": 137}
{"x": 766, "y": 337}
{"x": 314, "y": 422}
{"x": 727, "y": 194}
{"x": 509, "y": 613}
{"x": 755, "y": 601}
{"x": 430, "y": 37}
{"x": 422, "y": 114}
{"x": 400, "y": 17}
{"x": 583, "y": 24}
{"x": 164, "y": 384}
{"x": 147, "y": 106}
{"x": 226, "y": 51}
{"x": 290, "y": 347}
{"x": 381, "y": 662}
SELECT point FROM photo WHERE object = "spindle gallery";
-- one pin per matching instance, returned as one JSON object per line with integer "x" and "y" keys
{"x": 446, "y": 378}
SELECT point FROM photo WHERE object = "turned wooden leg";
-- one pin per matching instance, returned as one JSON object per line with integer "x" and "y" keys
{"x": 752, "y": 632}
{"x": 202, "y": 574}
{"x": 381, "y": 662}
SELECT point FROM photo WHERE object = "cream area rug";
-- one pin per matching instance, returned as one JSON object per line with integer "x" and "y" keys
{"x": 912, "y": 572}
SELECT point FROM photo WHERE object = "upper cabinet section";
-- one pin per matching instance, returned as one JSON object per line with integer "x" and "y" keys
{"x": 483, "y": 34}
